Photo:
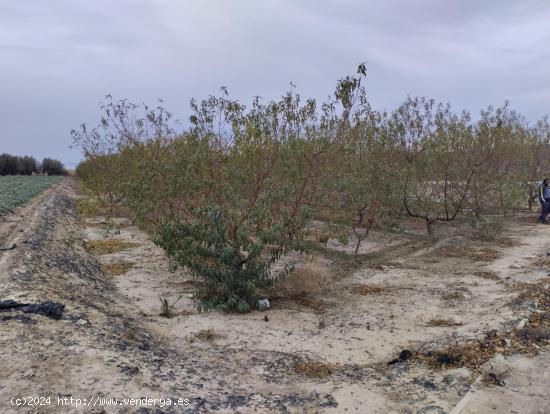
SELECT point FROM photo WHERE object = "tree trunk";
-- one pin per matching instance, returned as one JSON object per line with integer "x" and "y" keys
{"x": 531, "y": 202}
{"x": 429, "y": 226}
{"x": 357, "y": 245}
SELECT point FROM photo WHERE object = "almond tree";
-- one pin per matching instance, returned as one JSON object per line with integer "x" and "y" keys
{"x": 438, "y": 153}
{"x": 502, "y": 144}
{"x": 535, "y": 159}
{"x": 256, "y": 199}
{"x": 112, "y": 148}
{"x": 363, "y": 180}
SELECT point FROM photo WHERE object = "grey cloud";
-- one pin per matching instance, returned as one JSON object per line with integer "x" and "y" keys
{"x": 60, "y": 57}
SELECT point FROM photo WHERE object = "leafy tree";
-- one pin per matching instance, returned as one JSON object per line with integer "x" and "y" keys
{"x": 534, "y": 155}
{"x": 362, "y": 179}
{"x": 9, "y": 164}
{"x": 440, "y": 159}
{"x": 259, "y": 189}
{"x": 120, "y": 149}
{"x": 27, "y": 165}
{"x": 52, "y": 167}
{"x": 502, "y": 144}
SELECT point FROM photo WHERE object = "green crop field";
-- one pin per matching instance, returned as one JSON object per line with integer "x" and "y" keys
{"x": 18, "y": 189}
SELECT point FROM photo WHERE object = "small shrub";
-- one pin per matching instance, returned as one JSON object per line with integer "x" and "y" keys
{"x": 323, "y": 238}
{"x": 232, "y": 270}
{"x": 167, "y": 308}
{"x": 487, "y": 228}
{"x": 87, "y": 207}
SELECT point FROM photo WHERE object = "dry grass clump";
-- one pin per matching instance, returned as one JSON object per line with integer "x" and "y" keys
{"x": 316, "y": 305}
{"x": 87, "y": 207}
{"x": 538, "y": 328}
{"x": 102, "y": 247}
{"x": 484, "y": 254}
{"x": 206, "y": 335}
{"x": 542, "y": 262}
{"x": 507, "y": 242}
{"x": 187, "y": 285}
{"x": 487, "y": 275}
{"x": 539, "y": 293}
{"x": 366, "y": 290}
{"x": 128, "y": 335}
{"x": 303, "y": 284}
{"x": 473, "y": 354}
{"x": 312, "y": 277}
{"x": 300, "y": 298}
{"x": 117, "y": 269}
{"x": 320, "y": 236}
{"x": 452, "y": 295}
{"x": 443, "y": 322}
{"x": 529, "y": 340}
{"x": 167, "y": 308}
{"x": 315, "y": 369}
{"x": 491, "y": 379}
{"x": 540, "y": 320}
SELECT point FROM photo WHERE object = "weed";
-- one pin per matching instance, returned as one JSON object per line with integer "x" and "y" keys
{"x": 206, "y": 335}
{"x": 487, "y": 275}
{"x": 323, "y": 238}
{"x": 128, "y": 335}
{"x": 315, "y": 369}
{"x": 316, "y": 305}
{"x": 167, "y": 308}
{"x": 484, "y": 255}
{"x": 366, "y": 290}
{"x": 117, "y": 269}
{"x": 101, "y": 247}
{"x": 452, "y": 295}
{"x": 87, "y": 207}
{"x": 443, "y": 322}
{"x": 474, "y": 353}
{"x": 109, "y": 226}
{"x": 487, "y": 228}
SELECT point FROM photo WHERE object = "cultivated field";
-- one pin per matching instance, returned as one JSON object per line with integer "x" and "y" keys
{"x": 18, "y": 189}
{"x": 287, "y": 257}
{"x": 408, "y": 325}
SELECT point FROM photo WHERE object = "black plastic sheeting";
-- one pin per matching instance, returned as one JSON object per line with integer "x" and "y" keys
{"x": 48, "y": 308}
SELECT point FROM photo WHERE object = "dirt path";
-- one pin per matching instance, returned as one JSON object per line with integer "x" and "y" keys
{"x": 112, "y": 341}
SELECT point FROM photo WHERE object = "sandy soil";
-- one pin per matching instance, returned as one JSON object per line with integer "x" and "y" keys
{"x": 113, "y": 342}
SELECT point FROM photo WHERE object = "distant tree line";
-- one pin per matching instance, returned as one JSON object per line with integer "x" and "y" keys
{"x": 27, "y": 165}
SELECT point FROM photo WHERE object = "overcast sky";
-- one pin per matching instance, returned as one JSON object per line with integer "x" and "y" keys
{"x": 59, "y": 58}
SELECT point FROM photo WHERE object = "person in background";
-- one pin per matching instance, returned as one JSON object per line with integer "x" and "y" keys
{"x": 544, "y": 198}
